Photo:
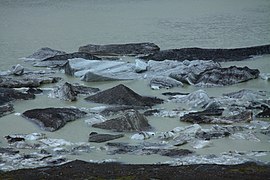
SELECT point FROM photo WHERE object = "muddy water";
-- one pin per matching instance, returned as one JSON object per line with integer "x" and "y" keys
{"x": 26, "y": 26}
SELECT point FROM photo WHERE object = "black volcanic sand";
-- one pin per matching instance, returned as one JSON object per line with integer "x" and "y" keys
{"x": 83, "y": 170}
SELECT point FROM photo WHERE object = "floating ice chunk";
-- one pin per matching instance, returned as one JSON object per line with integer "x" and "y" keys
{"x": 179, "y": 96}
{"x": 138, "y": 136}
{"x": 167, "y": 135}
{"x": 142, "y": 135}
{"x": 245, "y": 136}
{"x": 35, "y": 136}
{"x": 98, "y": 109}
{"x": 103, "y": 161}
{"x": 155, "y": 87}
{"x": 178, "y": 129}
{"x": 58, "y": 149}
{"x": 192, "y": 129}
{"x": 52, "y": 95}
{"x": 257, "y": 153}
{"x": 199, "y": 144}
{"x": 186, "y": 62}
{"x": 29, "y": 137}
{"x": 82, "y": 147}
{"x": 140, "y": 66}
{"x": 265, "y": 76}
{"x": 56, "y": 142}
{"x": 231, "y": 159}
{"x": 195, "y": 99}
{"x": 96, "y": 119}
{"x": 262, "y": 124}
{"x": 169, "y": 114}
{"x": 165, "y": 82}
{"x": 47, "y": 89}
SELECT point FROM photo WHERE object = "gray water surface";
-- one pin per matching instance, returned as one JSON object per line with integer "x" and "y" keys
{"x": 28, "y": 25}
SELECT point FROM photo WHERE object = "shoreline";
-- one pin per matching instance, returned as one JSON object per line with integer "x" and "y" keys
{"x": 83, "y": 170}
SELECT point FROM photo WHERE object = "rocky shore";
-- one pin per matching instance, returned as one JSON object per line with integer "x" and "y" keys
{"x": 121, "y": 121}
{"x": 83, "y": 170}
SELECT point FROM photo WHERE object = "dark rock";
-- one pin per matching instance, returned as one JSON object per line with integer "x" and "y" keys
{"x": 209, "y": 112}
{"x": 65, "y": 57}
{"x": 17, "y": 70}
{"x": 266, "y": 132}
{"x": 8, "y": 94}
{"x": 6, "y": 109}
{"x": 207, "y": 135}
{"x": 217, "y": 131}
{"x": 266, "y": 102}
{"x": 60, "y": 60}
{"x": 52, "y": 119}
{"x": 180, "y": 142}
{"x": 130, "y": 120}
{"x": 28, "y": 81}
{"x": 57, "y": 161}
{"x": 66, "y": 92}
{"x": 218, "y": 55}
{"x": 246, "y": 94}
{"x": 99, "y": 138}
{"x": 43, "y": 151}
{"x": 122, "y": 95}
{"x": 69, "y": 92}
{"x": 175, "y": 152}
{"x": 124, "y": 148}
{"x": 4, "y": 101}
{"x": 245, "y": 116}
{"x": 164, "y": 82}
{"x": 82, "y": 148}
{"x": 114, "y": 110}
{"x": 12, "y": 139}
{"x": 196, "y": 119}
{"x": 120, "y": 49}
{"x": 174, "y": 93}
{"x": 93, "y": 77}
{"x": 265, "y": 113}
{"x": 79, "y": 89}
{"x": 8, "y": 151}
{"x": 191, "y": 70}
{"x": 34, "y": 91}
{"x": 151, "y": 112}
{"x": 221, "y": 76}
{"x": 44, "y": 53}
{"x": 228, "y": 128}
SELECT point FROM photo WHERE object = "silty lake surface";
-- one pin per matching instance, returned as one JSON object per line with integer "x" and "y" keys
{"x": 28, "y": 25}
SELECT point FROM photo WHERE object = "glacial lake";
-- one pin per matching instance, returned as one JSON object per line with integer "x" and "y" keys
{"x": 26, "y": 26}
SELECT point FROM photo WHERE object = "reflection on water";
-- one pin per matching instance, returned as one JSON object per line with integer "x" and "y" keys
{"x": 26, "y": 26}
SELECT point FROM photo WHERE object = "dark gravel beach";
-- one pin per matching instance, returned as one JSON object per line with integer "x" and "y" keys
{"x": 83, "y": 170}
